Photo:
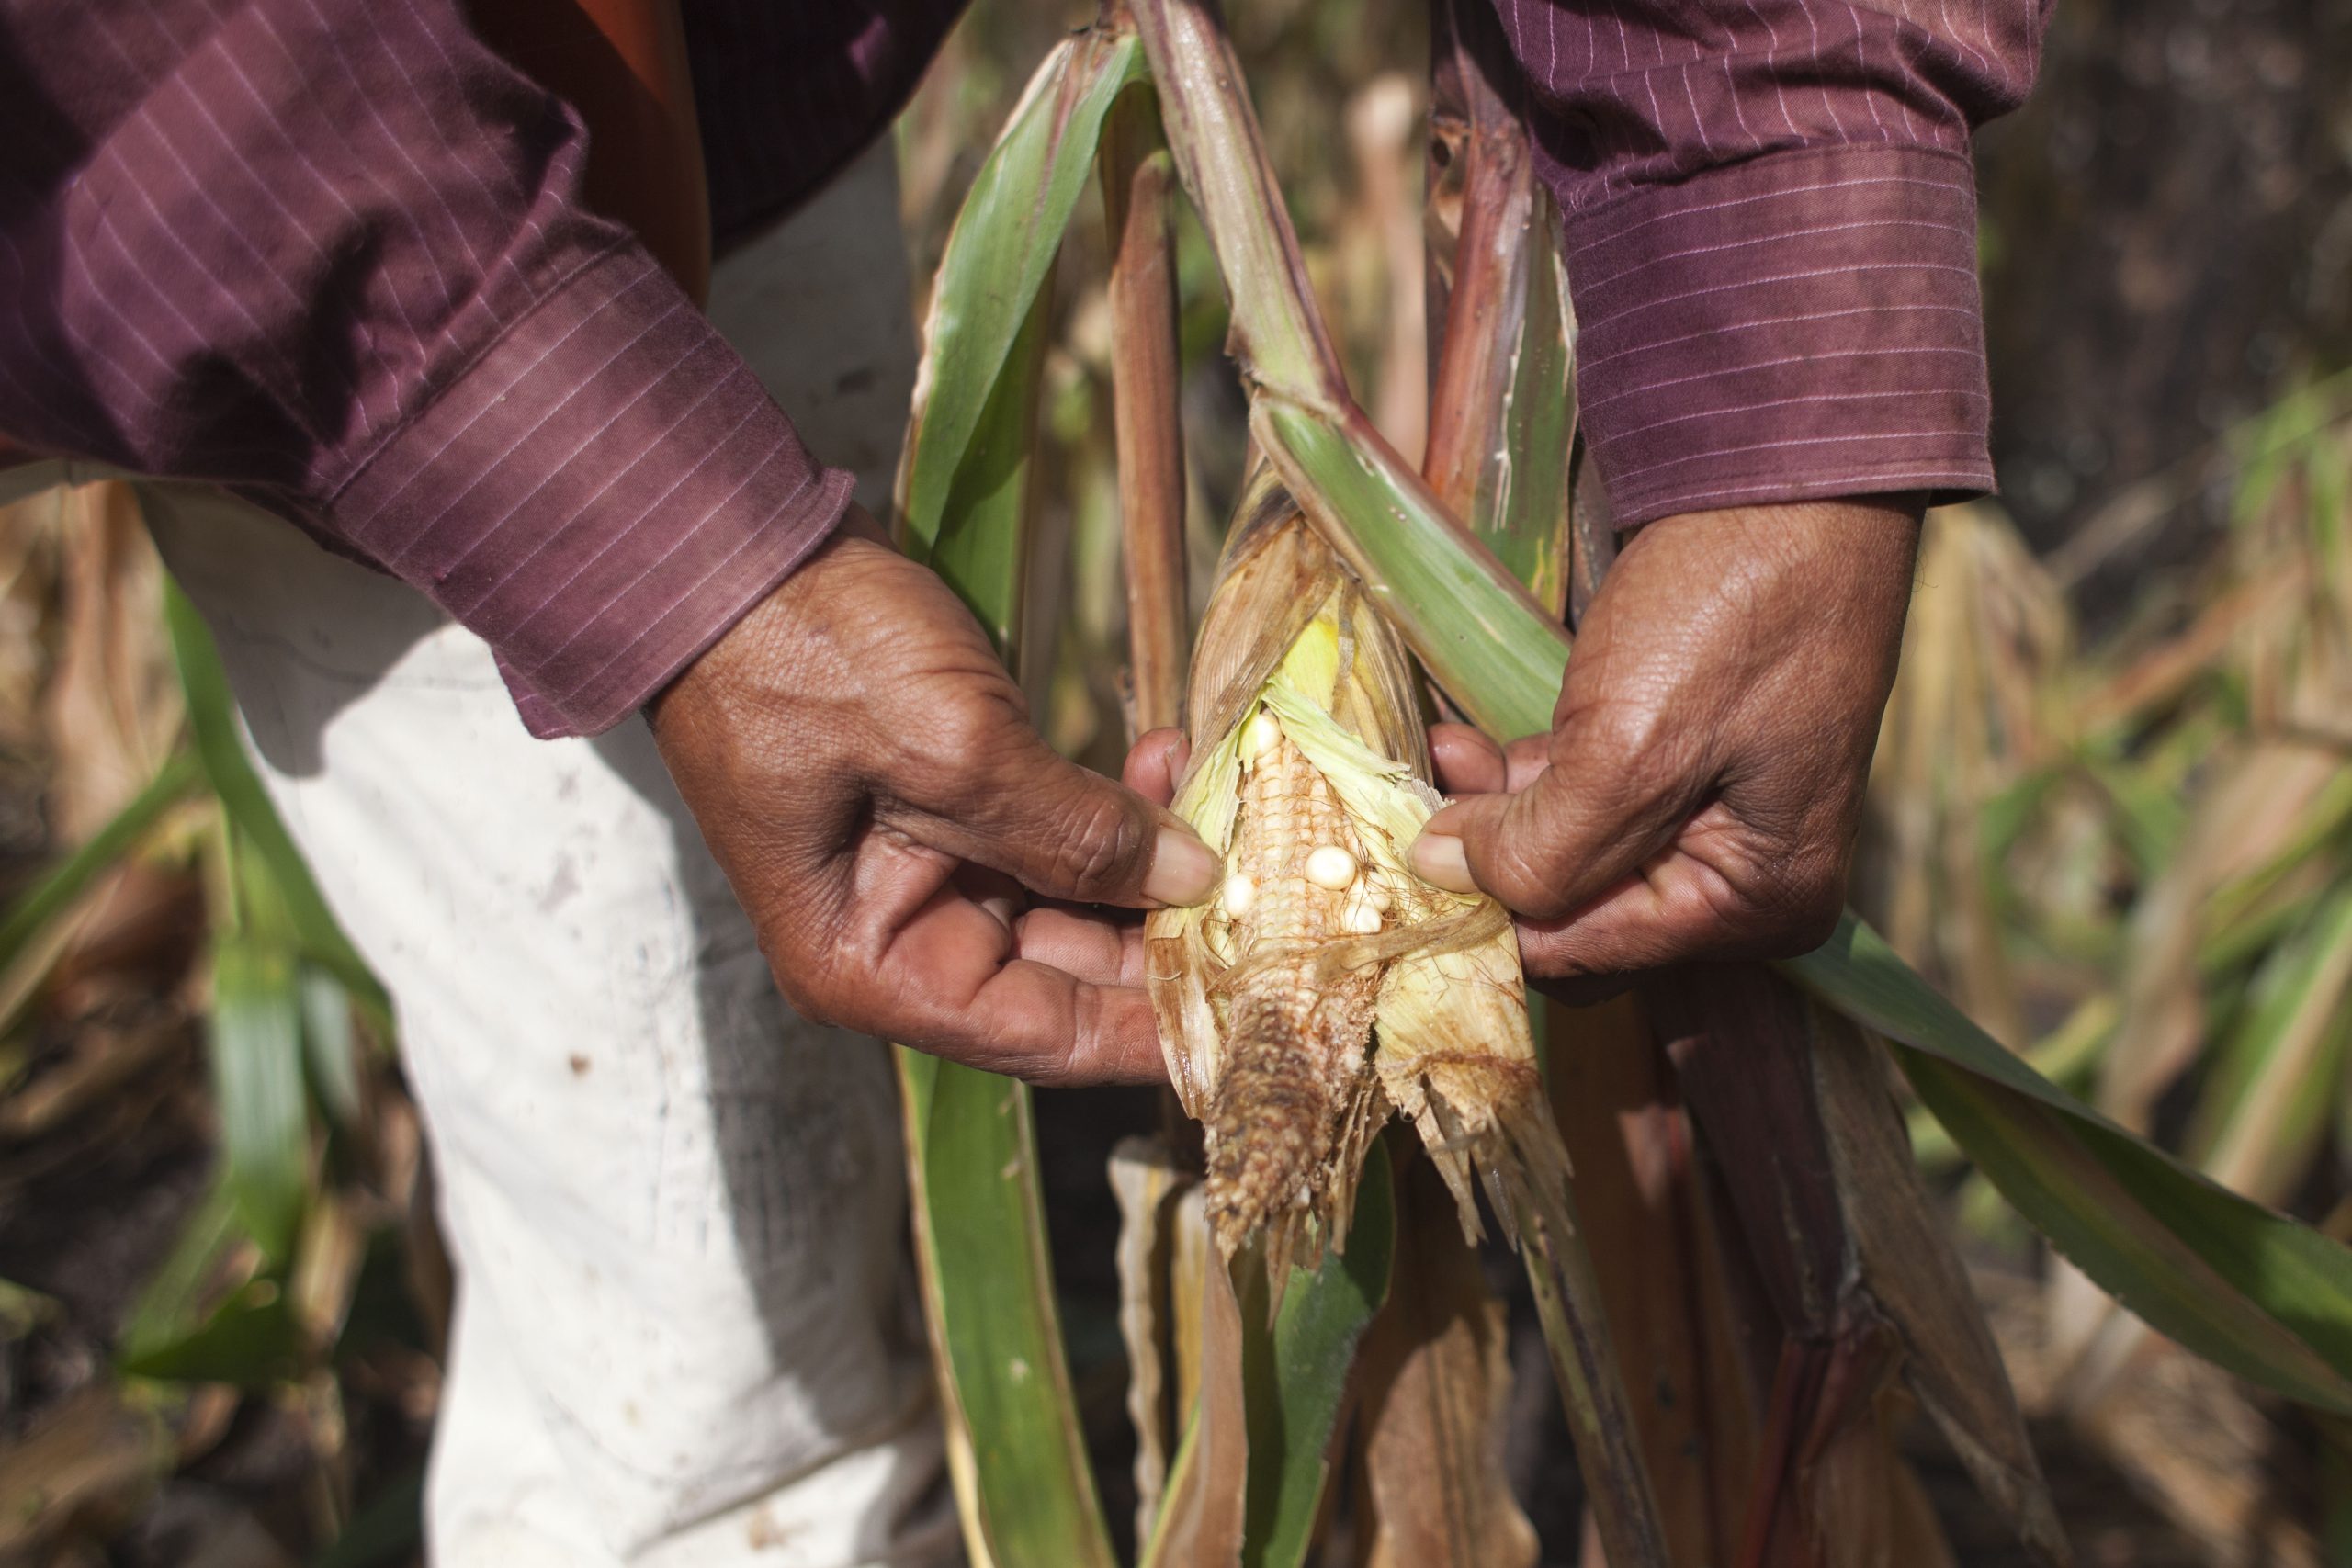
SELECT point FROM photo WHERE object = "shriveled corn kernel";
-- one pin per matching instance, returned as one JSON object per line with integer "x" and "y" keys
{"x": 1270, "y": 1021}
{"x": 1240, "y": 893}
{"x": 1219, "y": 935}
{"x": 1265, "y": 735}
{"x": 1329, "y": 865}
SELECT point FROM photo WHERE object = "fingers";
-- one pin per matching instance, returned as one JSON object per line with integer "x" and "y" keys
{"x": 957, "y": 989}
{"x": 945, "y": 989}
{"x": 924, "y": 954}
{"x": 1523, "y": 759}
{"x": 1469, "y": 764}
{"x": 1716, "y": 895}
{"x": 1156, "y": 763}
{"x": 1067, "y": 832}
{"x": 1573, "y": 832}
{"x": 1101, "y": 949}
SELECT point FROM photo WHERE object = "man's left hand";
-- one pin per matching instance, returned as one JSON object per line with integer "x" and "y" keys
{"x": 1699, "y": 795}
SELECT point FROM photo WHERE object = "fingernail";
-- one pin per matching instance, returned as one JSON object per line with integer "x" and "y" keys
{"x": 1183, "y": 869}
{"x": 1439, "y": 859}
{"x": 1002, "y": 909}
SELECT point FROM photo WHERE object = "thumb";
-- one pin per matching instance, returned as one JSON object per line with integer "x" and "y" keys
{"x": 1065, "y": 831}
{"x": 1573, "y": 833}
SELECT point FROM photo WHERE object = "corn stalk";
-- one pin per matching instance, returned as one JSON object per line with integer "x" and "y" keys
{"x": 2249, "y": 1289}
{"x": 1502, "y": 394}
{"x": 1326, "y": 449}
{"x": 1138, "y": 184}
{"x": 2252, "y": 1290}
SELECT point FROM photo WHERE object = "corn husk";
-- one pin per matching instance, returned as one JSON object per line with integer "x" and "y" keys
{"x": 1289, "y": 1035}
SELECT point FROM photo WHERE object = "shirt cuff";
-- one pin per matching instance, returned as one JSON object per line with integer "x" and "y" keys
{"x": 1798, "y": 326}
{"x": 600, "y": 496}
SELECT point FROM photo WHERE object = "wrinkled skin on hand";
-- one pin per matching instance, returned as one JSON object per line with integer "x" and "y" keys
{"x": 1701, "y": 790}
{"x": 917, "y": 861}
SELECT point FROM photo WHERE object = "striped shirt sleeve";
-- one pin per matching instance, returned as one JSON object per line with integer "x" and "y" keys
{"x": 1770, "y": 231}
{"x": 330, "y": 253}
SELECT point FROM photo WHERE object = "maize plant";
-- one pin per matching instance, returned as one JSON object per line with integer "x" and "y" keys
{"x": 1300, "y": 1294}
{"x": 2198, "y": 769}
{"x": 320, "y": 1161}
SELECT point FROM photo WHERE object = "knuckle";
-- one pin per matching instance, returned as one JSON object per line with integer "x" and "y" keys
{"x": 818, "y": 982}
{"x": 1804, "y": 906}
{"x": 950, "y": 756}
{"x": 807, "y": 997}
{"x": 1550, "y": 955}
{"x": 1816, "y": 920}
{"x": 1520, "y": 873}
{"x": 1099, "y": 846}
{"x": 1620, "y": 730}
{"x": 972, "y": 728}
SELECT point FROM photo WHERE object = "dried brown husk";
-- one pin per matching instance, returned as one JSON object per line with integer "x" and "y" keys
{"x": 1294, "y": 1053}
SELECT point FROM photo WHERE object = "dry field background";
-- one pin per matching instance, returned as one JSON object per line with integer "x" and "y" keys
{"x": 2112, "y": 818}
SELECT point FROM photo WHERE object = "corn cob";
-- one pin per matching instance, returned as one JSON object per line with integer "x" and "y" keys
{"x": 1300, "y": 1045}
{"x": 1328, "y": 987}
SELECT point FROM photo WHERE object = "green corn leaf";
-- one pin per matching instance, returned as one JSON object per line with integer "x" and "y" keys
{"x": 980, "y": 1231}
{"x": 2249, "y": 1289}
{"x": 185, "y": 1328}
{"x": 256, "y": 1056}
{"x": 331, "y": 1045}
{"x": 56, "y": 891}
{"x": 1260, "y": 1433}
{"x": 1294, "y": 1375}
{"x": 999, "y": 257}
{"x": 30, "y": 918}
{"x": 1521, "y": 511}
{"x": 249, "y": 1341}
{"x": 982, "y": 545}
{"x": 212, "y": 721}
{"x": 175, "y": 1297}
{"x": 2268, "y": 1103}
{"x": 1016, "y": 1443}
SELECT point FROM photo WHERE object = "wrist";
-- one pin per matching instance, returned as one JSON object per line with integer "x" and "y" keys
{"x": 760, "y": 642}
{"x": 1821, "y": 550}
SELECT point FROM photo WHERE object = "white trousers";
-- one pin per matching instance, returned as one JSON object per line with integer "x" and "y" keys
{"x": 686, "y": 1331}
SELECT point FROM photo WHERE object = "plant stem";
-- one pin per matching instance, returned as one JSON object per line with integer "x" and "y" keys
{"x": 1145, "y": 384}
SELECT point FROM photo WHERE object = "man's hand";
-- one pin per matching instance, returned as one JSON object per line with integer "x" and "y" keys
{"x": 867, "y": 774}
{"x": 1700, "y": 792}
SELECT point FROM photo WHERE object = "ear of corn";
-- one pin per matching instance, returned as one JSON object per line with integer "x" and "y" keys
{"x": 1329, "y": 987}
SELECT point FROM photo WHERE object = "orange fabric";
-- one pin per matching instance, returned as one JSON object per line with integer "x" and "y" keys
{"x": 622, "y": 64}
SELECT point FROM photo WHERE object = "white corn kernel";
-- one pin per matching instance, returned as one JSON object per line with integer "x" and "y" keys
{"x": 1376, "y": 894}
{"x": 1329, "y": 865}
{"x": 1240, "y": 893}
{"x": 1265, "y": 733}
{"x": 1361, "y": 919}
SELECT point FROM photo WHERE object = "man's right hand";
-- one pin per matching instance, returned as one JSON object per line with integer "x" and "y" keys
{"x": 867, "y": 776}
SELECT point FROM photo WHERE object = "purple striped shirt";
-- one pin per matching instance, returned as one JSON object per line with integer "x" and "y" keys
{"x": 330, "y": 253}
{"x": 1770, "y": 218}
